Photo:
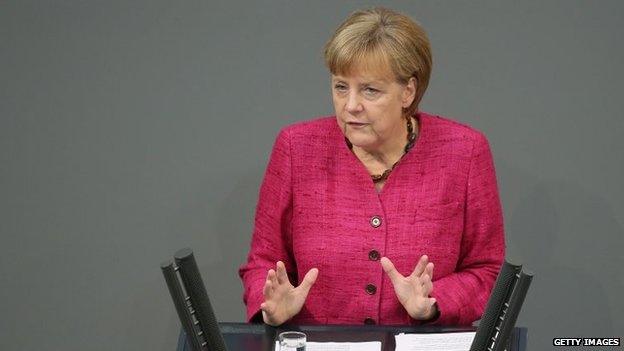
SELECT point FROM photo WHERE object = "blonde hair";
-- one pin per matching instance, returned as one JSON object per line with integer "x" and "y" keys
{"x": 378, "y": 38}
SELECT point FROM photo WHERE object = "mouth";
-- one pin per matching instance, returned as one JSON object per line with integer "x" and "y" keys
{"x": 356, "y": 124}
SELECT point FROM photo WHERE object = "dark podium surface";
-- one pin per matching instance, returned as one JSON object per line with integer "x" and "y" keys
{"x": 260, "y": 337}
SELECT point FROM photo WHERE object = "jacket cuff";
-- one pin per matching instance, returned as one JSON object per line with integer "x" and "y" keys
{"x": 432, "y": 320}
{"x": 448, "y": 308}
{"x": 254, "y": 300}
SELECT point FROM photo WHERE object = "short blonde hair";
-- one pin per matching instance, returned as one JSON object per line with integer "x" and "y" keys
{"x": 381, "y": 37}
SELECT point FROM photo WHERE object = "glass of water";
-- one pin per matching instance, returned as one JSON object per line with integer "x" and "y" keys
{"x": 292, "y": 341}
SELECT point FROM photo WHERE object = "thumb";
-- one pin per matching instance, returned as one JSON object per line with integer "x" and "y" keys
{"x": 309, "y": 280}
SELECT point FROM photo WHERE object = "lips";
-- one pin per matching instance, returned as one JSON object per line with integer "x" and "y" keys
{"x": 356, "y": 124}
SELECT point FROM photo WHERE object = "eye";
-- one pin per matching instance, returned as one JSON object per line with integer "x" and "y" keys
{"x": 339, "y": 87}
{"x": 371, "y": 91}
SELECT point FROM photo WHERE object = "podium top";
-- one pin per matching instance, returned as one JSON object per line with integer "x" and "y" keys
{"x": 261, "y": 337}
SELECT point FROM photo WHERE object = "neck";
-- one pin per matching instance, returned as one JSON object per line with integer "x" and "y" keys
{"x": 389, "y": 152}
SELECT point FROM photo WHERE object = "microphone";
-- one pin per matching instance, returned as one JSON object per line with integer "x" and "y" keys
{"x": 192, "y": 303}
{"x": 503, "y": 307}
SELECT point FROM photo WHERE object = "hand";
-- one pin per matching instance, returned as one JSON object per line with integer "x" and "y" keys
{"x": 413, "y": 291}
{"x": 282, "y": 300}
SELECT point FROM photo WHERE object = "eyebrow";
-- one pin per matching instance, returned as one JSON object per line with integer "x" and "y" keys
{"x": 382, "y": 81}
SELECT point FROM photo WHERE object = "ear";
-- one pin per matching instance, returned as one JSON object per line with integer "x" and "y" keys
{"x": 409, "y": 93}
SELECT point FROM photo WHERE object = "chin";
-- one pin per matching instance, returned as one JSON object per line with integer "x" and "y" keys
{"x": 362, "y": 141}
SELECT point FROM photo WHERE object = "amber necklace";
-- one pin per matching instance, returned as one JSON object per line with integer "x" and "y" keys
{"x": 411, "y": 138}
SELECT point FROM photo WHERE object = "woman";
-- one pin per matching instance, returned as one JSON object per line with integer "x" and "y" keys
{"x": 356, "y": 209}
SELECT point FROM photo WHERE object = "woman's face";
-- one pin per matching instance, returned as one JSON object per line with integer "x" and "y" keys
{"x": 369, "y": 107}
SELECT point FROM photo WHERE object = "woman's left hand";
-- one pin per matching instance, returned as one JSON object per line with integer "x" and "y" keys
{"x": 413, "y": 291}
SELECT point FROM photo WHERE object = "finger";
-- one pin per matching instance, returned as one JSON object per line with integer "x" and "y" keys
{"x": 267, "y": 289}
{"x": 309, "y": 280}
{"x": 272, "y": 276}
{"x": 420, "y": 266}
{"x": 282, "y": 276}
{"x": 427, "y": 286}
{"x": 391, "y": 271}
{"x": 432, "y": 302}
{"x": 267, "y": 308}
{"x": 429, "y": 270}
{"x": 268, "y": 318}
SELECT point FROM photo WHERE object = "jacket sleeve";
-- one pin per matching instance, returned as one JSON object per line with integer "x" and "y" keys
{"x": 271, "y": 238}
{"x": 462, "y": 295}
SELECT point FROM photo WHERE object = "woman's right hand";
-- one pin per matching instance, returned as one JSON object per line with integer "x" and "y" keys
{"x": 282, "y": 300}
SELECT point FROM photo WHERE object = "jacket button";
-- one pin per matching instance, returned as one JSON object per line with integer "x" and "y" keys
{"x": 371, "y": 289}
{"x": 375, "y": 221}
{"x": 373, "y": 255}
{"x": 369, "y": 321}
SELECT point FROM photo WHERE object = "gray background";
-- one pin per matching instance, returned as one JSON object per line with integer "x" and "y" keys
{"x": 131, "y": 129}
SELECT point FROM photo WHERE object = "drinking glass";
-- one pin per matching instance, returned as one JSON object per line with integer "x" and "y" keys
{"x": 292, "y": 341}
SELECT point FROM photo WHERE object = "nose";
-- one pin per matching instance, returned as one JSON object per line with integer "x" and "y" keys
{"x": 353, "y": 103}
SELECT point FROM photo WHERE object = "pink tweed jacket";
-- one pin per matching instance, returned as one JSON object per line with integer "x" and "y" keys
{"x": 318, "y": 207}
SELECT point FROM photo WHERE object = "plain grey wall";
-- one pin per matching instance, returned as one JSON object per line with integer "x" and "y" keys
{"x": 130, "y": 129}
